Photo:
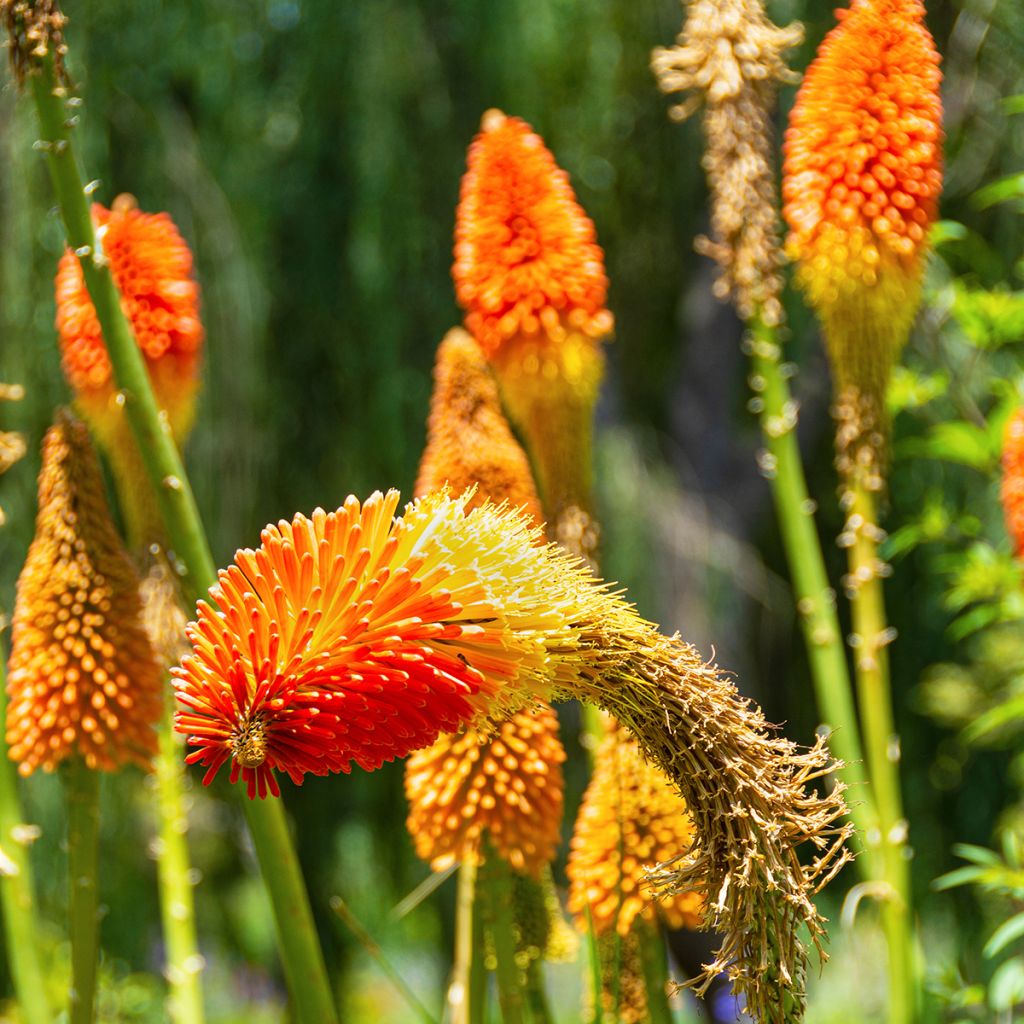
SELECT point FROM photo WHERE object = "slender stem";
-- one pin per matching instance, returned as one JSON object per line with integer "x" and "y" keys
{"x": 304, "y": 960}
{"x": 17, "y": 891}
{"x": 340, "y": 907}
{"x": 467, "y": 993}
{"x": 177, "y": 902}
{"x": 654, "y": 963}
{"x": 594, "y": 964}
{"x": 82, "y": 789}
{"x": 536, "y": 993}
{"x": 495, "y": 890}
{"x": 814, "y": 597}
{"x": 870, "y": 639}
{"x": 297, "y": 939}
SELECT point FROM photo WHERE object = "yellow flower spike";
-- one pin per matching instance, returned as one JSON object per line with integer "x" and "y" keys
{"x": 83, "y": 679}
{"x": 530, "y": 275}
{"x": 630, "y": 821}
{"x": 357, "y": 636}
{"x": 861, "y": 182}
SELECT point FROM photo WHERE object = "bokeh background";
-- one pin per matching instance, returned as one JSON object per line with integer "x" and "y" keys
{"x": 311, "y": 152}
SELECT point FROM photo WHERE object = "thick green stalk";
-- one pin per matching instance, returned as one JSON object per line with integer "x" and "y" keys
{"x": 467, "y": 993}
{"x": 297, "y": 939}
{"x": 815, "y": 599}
{"x": 17, "y": 891}
{"x": 871, "y": 636}
{"x": 494, "y": 888}
{"x": 651, "y": 948}
{"x": 82, "y": 790}
{"x": 177, "y": 901}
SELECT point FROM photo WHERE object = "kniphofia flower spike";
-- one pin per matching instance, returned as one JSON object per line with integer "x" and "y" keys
{"x": 862, "y": 177}
{"x": 357, "y": 636}
{"x": 1012, "y": 487}
{"x": 83, "y": 679}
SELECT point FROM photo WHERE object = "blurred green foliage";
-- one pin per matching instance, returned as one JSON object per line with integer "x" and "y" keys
{"x": 311, "y": 152}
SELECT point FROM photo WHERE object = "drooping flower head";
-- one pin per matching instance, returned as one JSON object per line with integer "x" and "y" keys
{"x": 1012, "y": 489}
{"x": 729, "y": 58}
{"x": 359, "y": 636}
{"x": 862, "y": 177}
{"x": 530, "y": 276}
{"x": 504, "y": 785}
{"x": 83, "y": 679}
{"x": 152, "y": 267}
{"x": 631, "y": 819}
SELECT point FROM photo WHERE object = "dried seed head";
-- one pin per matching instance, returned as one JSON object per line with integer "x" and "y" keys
{"x": 83, "y": 678}
{"x": 1012, "y": 488}
{"x": 631, "y": 820}
{"x": 35, "y": 30}
{"x": 861, "y": 181}
{"x": 729, "y": 58}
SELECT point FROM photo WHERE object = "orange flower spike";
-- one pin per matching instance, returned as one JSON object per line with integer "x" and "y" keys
{"x": 631, "y": 819}
{"x": 530, "y": 276}
{"x": 861, "y": 182}
{"x": 1012, "y": 488}
{"x": 152, "y": 267}
{"x": 508, "y": 787}
{"x": 83, "y": 678}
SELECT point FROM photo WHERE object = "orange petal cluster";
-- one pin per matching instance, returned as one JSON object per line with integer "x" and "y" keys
{"x": 506, "y": 787}
{"x": 469, "y": 442}
{"x": 152, "y": 267}
{"x": 1012, "y": 487}
{"x": 526, "y": 260}
{"x": 352, "y": 636}
{"x": 83, "y": 679}
{"x": 631, "y": 819}
{"x": 861, "y": 181}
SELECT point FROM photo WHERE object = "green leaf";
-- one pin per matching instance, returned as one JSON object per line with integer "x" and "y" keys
{"x": 1010, "y": 187}
{"x": 1006, "y": 988}
{"x": 1006, "y": 933}
{"x": 959, "y": 442}
{"x": 957, "y": 877}
{"x": 1005, "y": 717}
{"x": 944, "y": 231}
{"x": 977, "y": 854}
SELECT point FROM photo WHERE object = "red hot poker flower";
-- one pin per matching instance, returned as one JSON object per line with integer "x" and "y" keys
{"x": 152, "y": 267}
{"x": 1012, "y": 489}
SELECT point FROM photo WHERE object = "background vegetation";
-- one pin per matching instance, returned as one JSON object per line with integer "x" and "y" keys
{"x": 311, "y": 152}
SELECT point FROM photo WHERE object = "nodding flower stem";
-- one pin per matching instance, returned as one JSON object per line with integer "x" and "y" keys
{"x": 871, "y": 636}
{"x": 17, "y": 893}
{"x": 815, "y": 599}
{"x": 299, "y": 945}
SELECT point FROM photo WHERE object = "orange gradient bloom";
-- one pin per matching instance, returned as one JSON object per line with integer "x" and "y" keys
{"x": 631, "y": 819}
{"x": 526, "y": 260}
{"x": 152, "y": 267}
{"x": 1012, "y": 488}
{"x": 507, "y": 788}
{"x": 861, "y": 182}
{"x": 83, "y": 679}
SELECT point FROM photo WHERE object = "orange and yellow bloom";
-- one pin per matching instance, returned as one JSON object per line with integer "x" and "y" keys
{"x": 862, "y": 177}
{"x": 152, "y": 267}
{"x": 83, "y": 679}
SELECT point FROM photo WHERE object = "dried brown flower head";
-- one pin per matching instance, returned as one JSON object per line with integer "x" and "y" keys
{"x": 729, "y": 57}
{"x": 35, "y": 30}
{"x": 631, "y": 820}
{"x": 83, "y": 679}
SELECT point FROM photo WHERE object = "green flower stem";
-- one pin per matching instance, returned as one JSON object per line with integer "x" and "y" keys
{"x": 82, "y": 790}
{"x": 870, "y": 639}
{"x": 297, "y": 939}
{"x": 467, "y": 994}
{"x": 177, "y": 902}
{"x": 495, "y": 890}
{"x": 536, "y": 993}
{"x": 17, "y": 891}
{"x": 653, "y": 961}
{"x": 814, "y": 597}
